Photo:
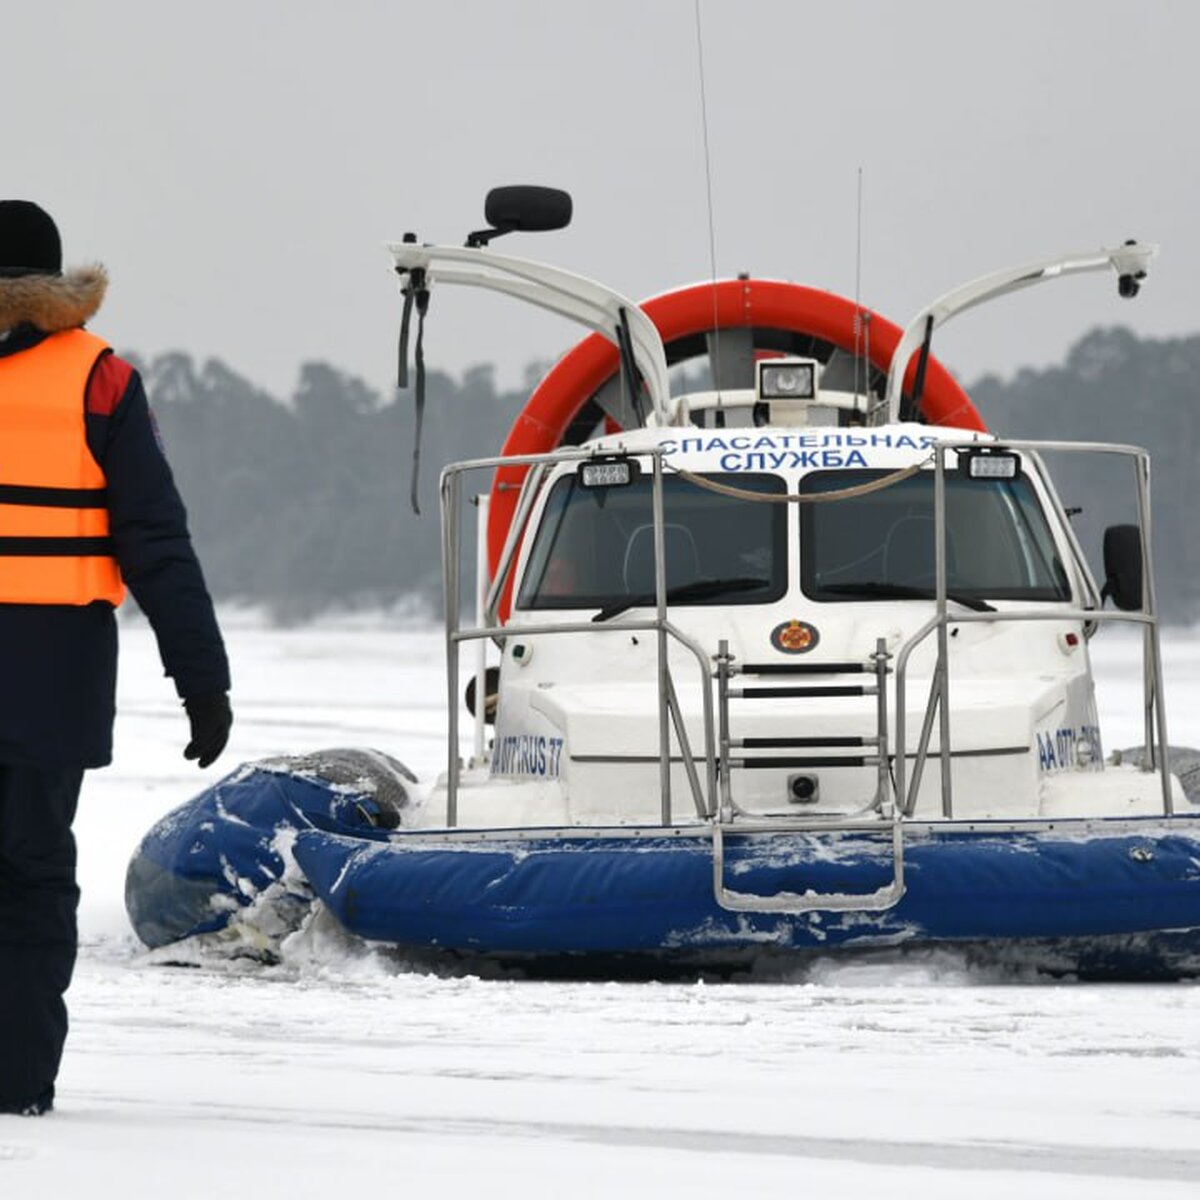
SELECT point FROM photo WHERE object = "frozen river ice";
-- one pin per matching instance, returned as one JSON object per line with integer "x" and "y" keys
{"x": 345, "y": 1068}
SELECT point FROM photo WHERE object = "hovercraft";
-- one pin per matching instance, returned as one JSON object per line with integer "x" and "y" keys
{"x": 795, "y": 660}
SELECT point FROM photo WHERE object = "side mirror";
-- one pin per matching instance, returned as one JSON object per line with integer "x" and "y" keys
{"x": 1123, "y": 567}
{"x": 532, "y": 209}
{"x": 524, "y": 208}
{"x": 491, "y": 694}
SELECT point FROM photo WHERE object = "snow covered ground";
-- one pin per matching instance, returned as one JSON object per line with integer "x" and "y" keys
{"x": 346, "y": 1068}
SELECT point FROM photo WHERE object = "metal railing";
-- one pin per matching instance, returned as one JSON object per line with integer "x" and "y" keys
{"x": 670, "y": 716}
{"x": 878, "y": 743}
{"x": 938, "y": 706}
{"x": 896, "y": 796}
{"x": 881, "y": 804}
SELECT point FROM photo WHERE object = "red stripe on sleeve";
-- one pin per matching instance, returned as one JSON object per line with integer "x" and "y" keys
{"x": 110, "y": 377}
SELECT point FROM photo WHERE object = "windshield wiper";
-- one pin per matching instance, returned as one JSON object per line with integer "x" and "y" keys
{"x": 901, "y": 591}
{"x": 698, "y": 589}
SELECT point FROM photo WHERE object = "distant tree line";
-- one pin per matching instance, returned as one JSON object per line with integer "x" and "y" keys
{"x": 1115, "y": 387}
{"x": 302, "y": 506}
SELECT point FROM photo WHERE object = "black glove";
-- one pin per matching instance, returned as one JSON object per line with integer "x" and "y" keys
{"x": 211, "y": 718}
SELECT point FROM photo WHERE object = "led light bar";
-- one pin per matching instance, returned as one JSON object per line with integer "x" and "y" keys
{"x": 993, "y": 465}
{"x": 607, "y": 473}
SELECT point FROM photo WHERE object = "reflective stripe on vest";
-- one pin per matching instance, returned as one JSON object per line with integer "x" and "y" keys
{"x": 54, "y": 536}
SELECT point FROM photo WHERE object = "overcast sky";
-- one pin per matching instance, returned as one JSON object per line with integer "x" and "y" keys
{"x": 238, "y": 166}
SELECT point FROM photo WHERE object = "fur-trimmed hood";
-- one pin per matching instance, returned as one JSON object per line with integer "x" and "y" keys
{"x": 52, "y": 302}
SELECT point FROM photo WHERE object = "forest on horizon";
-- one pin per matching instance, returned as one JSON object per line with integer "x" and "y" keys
{"x": 300, "y": 506}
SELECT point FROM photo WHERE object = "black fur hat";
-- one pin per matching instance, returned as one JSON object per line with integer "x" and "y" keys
{"x": 29, "y": 241}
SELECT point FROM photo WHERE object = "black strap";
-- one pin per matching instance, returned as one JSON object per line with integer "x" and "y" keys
{"x": 630, "y": 375}
{"x": 419, "y": 396}
{"x": 56, "y": 547}
{"x": 53, "y": 497}
{"x": 402, "y": 352}
{"x": 416, "y": 291}
{"x": 911, "y": 411}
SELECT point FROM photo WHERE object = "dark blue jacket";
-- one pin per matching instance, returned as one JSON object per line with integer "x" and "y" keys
{"x": 58, "y": 663}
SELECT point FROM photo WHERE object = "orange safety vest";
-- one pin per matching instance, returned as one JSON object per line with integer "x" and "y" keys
{"x": 54, "y": 537}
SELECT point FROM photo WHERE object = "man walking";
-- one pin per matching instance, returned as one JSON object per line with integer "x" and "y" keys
{"x": 88, "y": 507}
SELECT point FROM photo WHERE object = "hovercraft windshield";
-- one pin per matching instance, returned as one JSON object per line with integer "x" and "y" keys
{"x": 594, "y": 547}
{"x": 998, "y": 543}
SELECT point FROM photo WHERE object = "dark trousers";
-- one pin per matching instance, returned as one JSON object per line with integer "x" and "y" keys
{"x": 38, "y": 899}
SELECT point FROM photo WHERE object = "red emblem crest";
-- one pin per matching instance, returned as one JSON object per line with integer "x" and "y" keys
{"x": 794, "y": 637}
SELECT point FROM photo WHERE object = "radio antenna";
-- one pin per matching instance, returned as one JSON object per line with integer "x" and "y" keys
{"x": 712, "y": 233}
{"x": 859, "y": 332}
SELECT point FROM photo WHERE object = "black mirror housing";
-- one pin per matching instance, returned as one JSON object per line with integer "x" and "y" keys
{"x": 527, "y": 208}
{"x": 1123, "y": 567}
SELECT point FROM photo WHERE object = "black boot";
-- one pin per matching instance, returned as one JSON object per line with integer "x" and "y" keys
{"x": 31, "y": 1108}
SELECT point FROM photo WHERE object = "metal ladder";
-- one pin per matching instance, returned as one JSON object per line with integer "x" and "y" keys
{"x": 729, "y": 818}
